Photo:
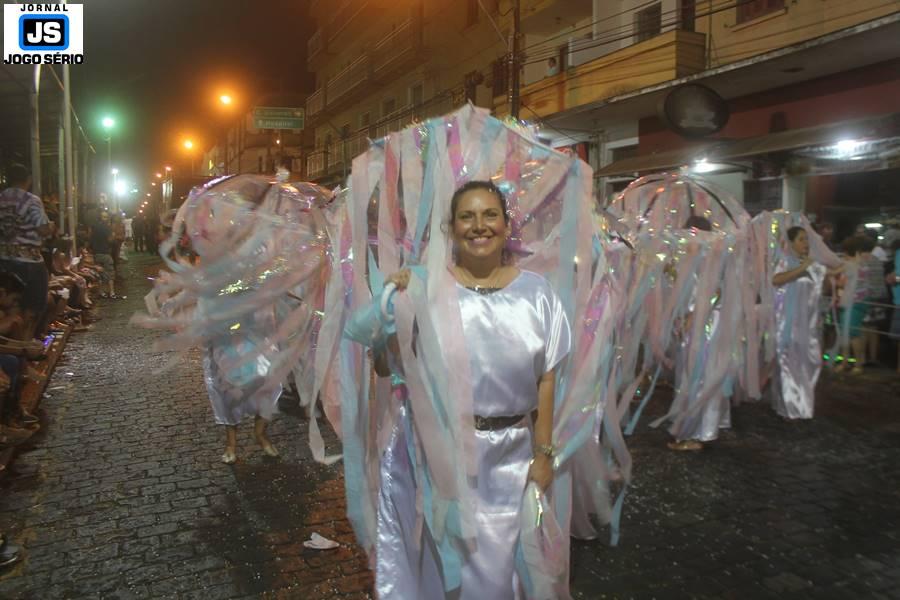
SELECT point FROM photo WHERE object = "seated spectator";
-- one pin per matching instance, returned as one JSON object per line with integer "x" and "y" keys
{"x": 61, "y": 266}
{"x": 14, "y": 352}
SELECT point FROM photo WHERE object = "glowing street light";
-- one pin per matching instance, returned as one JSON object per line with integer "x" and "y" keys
{"x": 159, "y": 175}
{"x": 168, "y": 169}
{"x": 108, "y": 124}
{"x": 225, "y": 99}
{"x": 189, "y": 146}
{"x": 120, "y": 187}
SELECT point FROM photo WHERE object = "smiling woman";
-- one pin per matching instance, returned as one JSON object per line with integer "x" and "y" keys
{"x": 480, "y": 228}
{"x": 514, "y": 334}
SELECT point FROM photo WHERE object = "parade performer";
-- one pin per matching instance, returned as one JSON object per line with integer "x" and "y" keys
{"x": 694, "y": 379}
{"x": 456, "y": 467}
{"x": 798, "y": 283}
{"x": 690, "y": 240}
{"x": 242, "y": 255}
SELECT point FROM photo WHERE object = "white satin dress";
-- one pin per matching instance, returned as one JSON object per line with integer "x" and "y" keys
{"x": 513, "y": 336}
{"x": 798, "y": 350}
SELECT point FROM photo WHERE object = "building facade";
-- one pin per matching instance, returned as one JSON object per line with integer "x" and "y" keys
{"x": 594, "y": 72}
{"x": 380, "y": 65}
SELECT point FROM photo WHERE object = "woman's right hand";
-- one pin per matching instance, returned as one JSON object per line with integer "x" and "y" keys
{"x": 399, "y": 279}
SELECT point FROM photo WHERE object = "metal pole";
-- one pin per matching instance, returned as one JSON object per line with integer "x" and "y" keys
{"x": 84, "y": 169}
{"x": 514, "y": 63}
{"x": 61, "y": 178}
{"x": 35, "y": 132}
{"x": 69, "y": 155}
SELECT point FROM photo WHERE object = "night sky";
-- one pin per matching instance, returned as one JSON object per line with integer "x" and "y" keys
{"x": 158, "y": 66}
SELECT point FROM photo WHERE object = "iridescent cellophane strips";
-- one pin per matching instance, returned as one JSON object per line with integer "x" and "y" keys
{"x": 769, "y": 246}
{"x": 671, "y": 283}
{"x": 400, "y": 197}
{"x": 247, "y": 265}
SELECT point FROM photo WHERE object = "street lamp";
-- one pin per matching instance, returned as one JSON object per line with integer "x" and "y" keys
{"x": 115, "y": 173}
{"x": 159, "y": 175}
{"x": 108, "y": 124}
{"x": 225, "y": 101}
{"x": 189, "y": 146}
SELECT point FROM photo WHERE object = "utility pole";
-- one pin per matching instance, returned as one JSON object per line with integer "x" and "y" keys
{"x": 514, "y": 52}
{"x": 36, "y": 177}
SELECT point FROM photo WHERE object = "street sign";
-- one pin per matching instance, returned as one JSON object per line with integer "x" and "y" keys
{"x": 271, "y": 117}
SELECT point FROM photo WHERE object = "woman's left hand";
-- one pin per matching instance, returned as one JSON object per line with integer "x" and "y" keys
{"x": 541, "y": 471}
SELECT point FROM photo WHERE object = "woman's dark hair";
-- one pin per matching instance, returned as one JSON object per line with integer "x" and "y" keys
{"x": 851, "y": 245}
{"x": 478, "y": 185}
{"x": 793, "y": 232}
{"x": 866, "y": 244}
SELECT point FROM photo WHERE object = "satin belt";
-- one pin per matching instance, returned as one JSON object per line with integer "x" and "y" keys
{"x": 496, "y": 423}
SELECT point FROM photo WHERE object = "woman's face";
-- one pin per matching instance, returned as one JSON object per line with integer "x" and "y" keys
{"x": 479, "y": 226}
{"x": 801, "y": 244}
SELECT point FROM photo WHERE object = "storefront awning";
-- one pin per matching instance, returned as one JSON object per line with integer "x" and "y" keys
{"x": 844, "y": 136}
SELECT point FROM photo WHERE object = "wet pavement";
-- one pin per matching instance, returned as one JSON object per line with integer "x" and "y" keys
{"x": 129, "y": 499}
{"x": 773, "y": 509}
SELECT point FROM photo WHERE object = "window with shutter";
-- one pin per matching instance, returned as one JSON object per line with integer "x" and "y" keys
{"x": 747, "y": 10}
{"x": 648, "y": 22}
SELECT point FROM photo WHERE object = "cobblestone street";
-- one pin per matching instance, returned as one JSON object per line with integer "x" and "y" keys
{"x": 129, "y": 499}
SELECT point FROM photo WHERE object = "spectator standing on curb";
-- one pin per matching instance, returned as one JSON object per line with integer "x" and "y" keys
{"x": 101, "y": 246}
{"x": 151, "y": 229}
{"x": 23, "y": 226}
{"x": 118, "y": 231}
{"x": 138, "y": 224}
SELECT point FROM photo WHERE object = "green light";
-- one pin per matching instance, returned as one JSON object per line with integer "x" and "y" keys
{"x": 826, "y": 357}
{"x": 108, "y": 123}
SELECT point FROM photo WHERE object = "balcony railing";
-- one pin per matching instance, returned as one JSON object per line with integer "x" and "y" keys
{"x": 357, "y": 144}
{"x": 395, "y": 50}
{"x": 395, "y": 121}
{"x": 315, "y": 45}
{"x": 315, "y": 103}
{"x": 355, "y": 76}
{"x": 315, "y": 165}
{"x": 343, "y": 14}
